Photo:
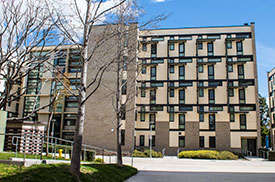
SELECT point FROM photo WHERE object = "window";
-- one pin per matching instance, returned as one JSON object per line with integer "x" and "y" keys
{"x": 153, "y": 73}
{"x": 152, "y": 120}
{"x": 181, "y": 141}
{"x": 153, "y": 141}
{"x": 202, "y": 141}
{"x": 124, "y": 87}
{"x": 141, "y": 140}
{"x": 172, "y": 69}
{"x": 181, "y": 121}
{"x": 242, "y": 96}
{"x": 241, "y": 71}
{"x": 242, "y": 121}
{"x": 211, "y": 96}
{"x": 200, "y": 45}
{"x": 142, "y": 113}
{"x": 181, "y": 96}
{"x": 212, "y": 142}
{"x": 201, "y": 115}
{"x": 181, "y": 49}
{"x": 71, "y": 102}
{"x": 122, "y": 132}
{"x": 156, "y": 84}
{"x": 211, "y": 72}
{"x": 143, "y": 69}
{"x": 229, "y": 44}
{"x": 200, "y": 68}
{"x": 152, "y": 96}
{"x": 172, "y": 44}
{"x": 172, "y": 92}
{"x": 171, "y": 114}
{"x": 153, "y": 50}
{"x": 212, "y": 122}
{"x": 143, "y": 92}
{"x": 124, "y": 63}
{"x": 144, "y": 47}
{"x": 123, "y": 112}
{"x": 201, "y": 92}
{"x": 181, "y": 72}
{"x": 230, "y": 68}
{"x": 239, "y": 48}
{"x": 210, "y": 49}
{"x": 230, "y": 92}
{"x": 232, "y": 117}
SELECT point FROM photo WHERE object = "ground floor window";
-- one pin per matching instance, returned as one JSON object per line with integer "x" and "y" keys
{"x": 181, "y": 141}
{"x": 212, "y": 142}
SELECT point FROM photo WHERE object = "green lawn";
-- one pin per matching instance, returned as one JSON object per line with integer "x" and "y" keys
{"x": 60, "y": 173}
{"x": 8, "y": 155}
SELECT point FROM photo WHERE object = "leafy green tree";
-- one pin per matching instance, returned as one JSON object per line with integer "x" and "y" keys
{"x": 264, "y": 116}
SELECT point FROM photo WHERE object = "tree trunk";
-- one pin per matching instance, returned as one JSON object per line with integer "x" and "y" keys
{"x": 119, "y": 155}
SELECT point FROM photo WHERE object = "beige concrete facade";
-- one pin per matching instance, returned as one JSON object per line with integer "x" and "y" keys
{"x": 271, "y": 94}
{"x": 212, "y": 75}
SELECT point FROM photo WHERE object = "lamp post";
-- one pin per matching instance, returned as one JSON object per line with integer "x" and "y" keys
{"x": 151, "y": 138}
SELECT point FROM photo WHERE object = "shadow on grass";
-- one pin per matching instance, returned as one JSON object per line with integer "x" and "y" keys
{"x": 61, "y": 173}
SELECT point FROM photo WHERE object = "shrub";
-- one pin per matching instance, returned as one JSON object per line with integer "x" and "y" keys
{"x": 146, "y": 153}
{"x": 208, "y": 154}
{"x": 99, "y": 160}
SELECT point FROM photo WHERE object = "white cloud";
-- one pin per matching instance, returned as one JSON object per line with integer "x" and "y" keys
{"x": 158, "y": 1}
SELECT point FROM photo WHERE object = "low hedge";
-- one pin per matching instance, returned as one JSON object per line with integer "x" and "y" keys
{"x": 208, "y": 154}
{"x": 146, "y": 153}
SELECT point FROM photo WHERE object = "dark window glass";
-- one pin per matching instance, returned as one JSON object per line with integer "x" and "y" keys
{"x": 211, "y": 95}
{"x": 239, "y": 48}
{"x": 231, "y": 92}
{"x": 181, "y": 49}
{"x": 181, "y": 121}
{"x": 232, "y": 117}
{"x": 230, "y": 68}
{"x": 124, "y": 63}
{"x": 152, "y": 96}
{"x": 211, "y": 72}
{"x": 181, "y": 72}
{"x": 124, "y": 87}
{"x": 181, "y": 141}
{"x": 201, "y": 117}
{"x": 242, "y": 96}
{"x": 241, "y": 71}
{"x": 122, "y": 137}
{"x": 141, "y": 140}
{"x": 123, "y": 112}
{"x": 172, "y": 92}
{"x": 201, "y": 92}
{"x": 212, "y": 142}
{"x": 210, "y": 49}
{"x": 153, "y": 73}
{"x": 171, "y": 114}
{"x": 181, "y": 96}
{"x": 153, "y": 50}
{"x": 143, "y": 92}
{"x": 172, "y": 69}
{"x": 144, "y": 47}
{"x": 202, "y": 141}
{"x": 152, "y": 120}
{"x": 229, "y": 44}
{"x": 200, "y": 45}
{"x": 212, "y": 122}
{"x": 242, "y": 121}
{"x": 200, "y": 68}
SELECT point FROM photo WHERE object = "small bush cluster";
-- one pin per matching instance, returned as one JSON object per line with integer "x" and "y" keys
{"x": 99, "y": 160}
{"x": 208, "y": 154}
{"x": 146, "y": 153}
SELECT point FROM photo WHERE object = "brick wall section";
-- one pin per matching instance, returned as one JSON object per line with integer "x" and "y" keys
{"x": 162, "y": 135}
{"x": 192, "y": 135}
{"x": 223, "y": 135}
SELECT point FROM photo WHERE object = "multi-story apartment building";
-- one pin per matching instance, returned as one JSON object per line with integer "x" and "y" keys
{"x": 198, "y": 89}
{"x": 271, "y": 93}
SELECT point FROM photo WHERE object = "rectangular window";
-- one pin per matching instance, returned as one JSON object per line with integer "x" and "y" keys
{"x": 211, "y": 96}
{"x": 124, "y": 87}
{"x": 232, "y": 117}
{"x": 181, "y": 72}
{"x": 181, "y": 121}
{"x": 230, "y": 92}
{"x": 152, "y": 96}
{"x": 201, "y": 92}
{"x": 172, "y": 92}
{"x": 211, "y": 72}
{"x": 239, "y": 48}
{"x": 141, "y": 140}
{"x": 201, "y": 141}
{"x": 242, "y": 96}
{"x": 181, "y": 141}
{"x": 171, "y": 114}
{"x": 152, "y": 120}
{"x": 122, "y": 137}
{"x": 153, "y": 73}
{"x": 212, "y": 142}
{"x": 212, "y": 121}
{"x": 242, "y": 121}
{"x": 153, "y": 50}
{"x": 181, "y": 49}
{"x": 144, "y": 47}
{"x": 201, "y": 115}
{"x": 124, "y": 63}
{"x": 172, "y": 69}
{"x": 200, "y": 68}
{"x": 230, "y": 68}
{"x": 181, "y": 96}
{"x": 153, "y": 141}
{"x": 171, "y": 46}
{"x": 210, "y": 49}
{"x": 200, "y": 45}
{"x": 143, "y": 92}
{"x": 123, "y": 112}
{"x": 241, "y": 71}
{"x": 142, "y": 114}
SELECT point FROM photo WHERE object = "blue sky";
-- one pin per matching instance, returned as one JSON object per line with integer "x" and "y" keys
{"x": 196, "y": 13}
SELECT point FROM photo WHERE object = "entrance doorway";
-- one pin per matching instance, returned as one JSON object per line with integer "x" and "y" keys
{"x": 249, "y": 145}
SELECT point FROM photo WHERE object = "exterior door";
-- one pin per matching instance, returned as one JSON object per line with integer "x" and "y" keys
{"x": 251, "y": 146}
